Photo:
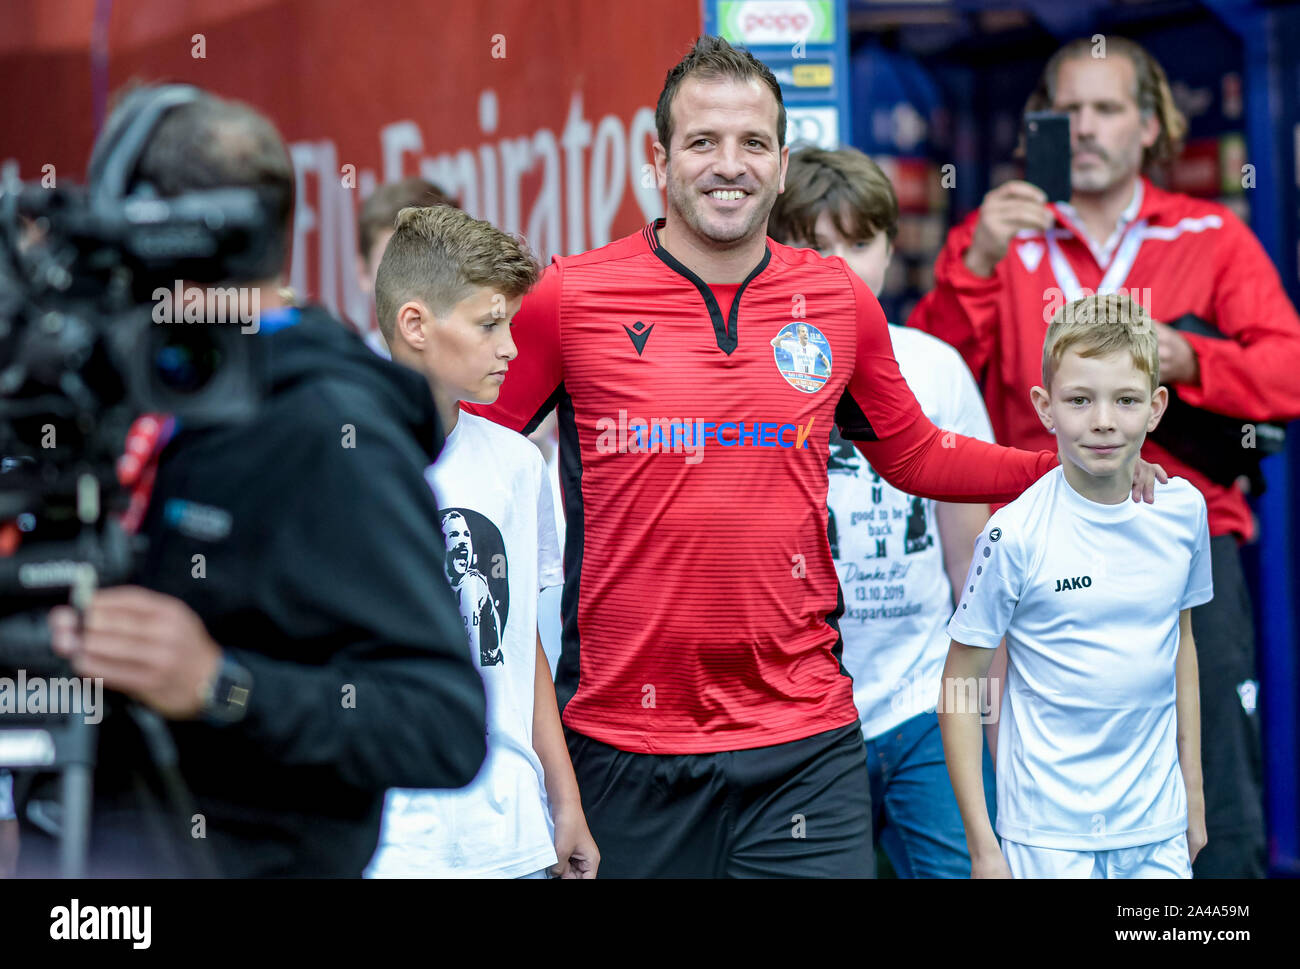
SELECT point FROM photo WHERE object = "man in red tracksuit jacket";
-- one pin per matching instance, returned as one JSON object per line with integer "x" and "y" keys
{"x": 1006, "y": 270}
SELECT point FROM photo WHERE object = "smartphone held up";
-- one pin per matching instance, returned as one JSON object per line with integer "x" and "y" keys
{"x": 1047, "y": 153}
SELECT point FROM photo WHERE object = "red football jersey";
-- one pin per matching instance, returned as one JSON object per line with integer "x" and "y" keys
{"x": 700, "y": 597}
{"x": 1175, "y": 255}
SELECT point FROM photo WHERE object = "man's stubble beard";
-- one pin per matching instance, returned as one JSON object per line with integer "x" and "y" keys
{"x": 688, "y": 206}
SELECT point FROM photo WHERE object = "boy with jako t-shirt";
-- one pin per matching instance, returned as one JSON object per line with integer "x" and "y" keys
{"x": 1099, "y": 769}
{"x": 900, "y": 558}
{"x": 446, "y": 291}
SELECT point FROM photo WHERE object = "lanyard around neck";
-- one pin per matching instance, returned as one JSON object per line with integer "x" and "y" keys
{"x": 1116, "y": 274}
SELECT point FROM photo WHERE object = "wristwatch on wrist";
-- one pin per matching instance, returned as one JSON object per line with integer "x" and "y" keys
{"x": 226, "y": 695}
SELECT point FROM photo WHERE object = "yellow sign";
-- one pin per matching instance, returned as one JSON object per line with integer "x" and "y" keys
{"x": 812, "y": 75}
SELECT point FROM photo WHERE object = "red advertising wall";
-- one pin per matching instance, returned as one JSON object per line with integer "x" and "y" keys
{"x": 537, "y": 114}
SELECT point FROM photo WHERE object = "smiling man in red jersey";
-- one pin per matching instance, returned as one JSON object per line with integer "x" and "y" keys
{"x": 710, "y": 721}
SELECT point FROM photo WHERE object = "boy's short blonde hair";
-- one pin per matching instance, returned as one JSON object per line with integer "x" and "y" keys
{"x": 1097, "y": 325}
{"x": 439, "y": 255}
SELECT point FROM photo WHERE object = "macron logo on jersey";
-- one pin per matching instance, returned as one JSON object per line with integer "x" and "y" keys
{"x": 689, "y": 436}
{"x": 641, "y": 334}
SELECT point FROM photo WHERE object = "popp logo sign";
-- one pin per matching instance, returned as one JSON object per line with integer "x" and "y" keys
{"x": 776, "y": 21}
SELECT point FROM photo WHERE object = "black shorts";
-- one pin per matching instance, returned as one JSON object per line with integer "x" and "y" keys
{"x": 1230, "y": 742}
{"x": 795, "y": 810}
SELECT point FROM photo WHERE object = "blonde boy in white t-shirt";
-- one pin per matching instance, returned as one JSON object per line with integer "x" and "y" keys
{"x": 1099, "y": 768}
{"x": 446, "y": 291}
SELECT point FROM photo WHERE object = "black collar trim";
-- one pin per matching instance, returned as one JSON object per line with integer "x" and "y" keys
{"x": 725, "y": 333}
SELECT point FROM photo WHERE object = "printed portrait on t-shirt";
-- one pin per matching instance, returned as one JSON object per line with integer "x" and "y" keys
{"x": 918, "y": 535}
{"x": 917, "y": 529}
{"x": 476, "y": 568}
{"x": 844, "y": 458}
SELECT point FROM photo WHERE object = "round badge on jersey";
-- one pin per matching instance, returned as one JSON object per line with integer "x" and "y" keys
{"x": 803, "y": 356}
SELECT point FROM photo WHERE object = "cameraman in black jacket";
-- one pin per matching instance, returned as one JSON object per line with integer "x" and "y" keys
{"x": 314, "y": 656}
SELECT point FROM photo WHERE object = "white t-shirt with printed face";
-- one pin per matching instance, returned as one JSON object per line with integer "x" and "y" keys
{"x": 1088, "y": 596}
{"x": 499, "y": 524}
{"x": 897, "y": 595}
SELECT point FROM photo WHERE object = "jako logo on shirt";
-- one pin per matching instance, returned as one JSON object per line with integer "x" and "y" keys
{"x": 1078, "y": 582}
{"x": 688, "y": 436}
{"x": 803, "y": 356}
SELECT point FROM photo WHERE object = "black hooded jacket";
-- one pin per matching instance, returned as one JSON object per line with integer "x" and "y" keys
{"x": 322, "y": 575}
